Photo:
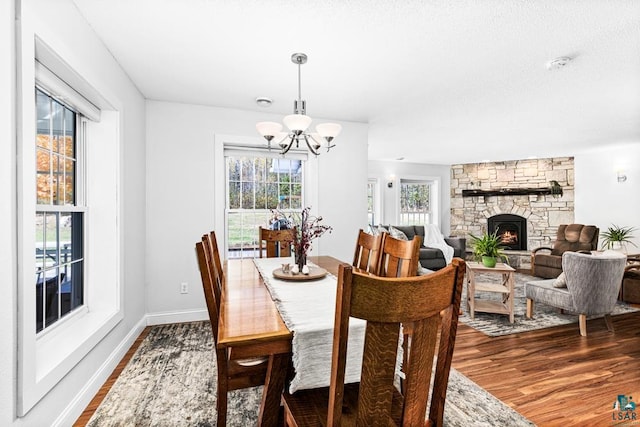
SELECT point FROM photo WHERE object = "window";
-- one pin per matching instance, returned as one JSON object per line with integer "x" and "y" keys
{"x": 69, "y": 249}
{"x": 59, "y": 211}
{"x": 372, "y": 200}
{"x": 415, "y": 202}
{"x": 255, "y": 186}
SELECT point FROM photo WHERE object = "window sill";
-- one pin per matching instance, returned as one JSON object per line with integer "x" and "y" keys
{"x": 79, "y": 335}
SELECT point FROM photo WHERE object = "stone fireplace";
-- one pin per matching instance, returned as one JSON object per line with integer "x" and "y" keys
{"x": 512, "y": 230}
{"x": 515, "y": 188}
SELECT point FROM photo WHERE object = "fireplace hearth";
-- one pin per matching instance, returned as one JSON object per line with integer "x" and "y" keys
{"x": 512, "y": 229}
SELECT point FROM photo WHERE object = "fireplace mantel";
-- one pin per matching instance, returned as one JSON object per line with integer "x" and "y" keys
{"x": 508, "y": 192}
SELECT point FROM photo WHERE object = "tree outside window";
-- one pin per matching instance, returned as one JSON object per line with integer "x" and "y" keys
{"x": 256, "y": 186}
{"x": 415, "y": 202}
{"x": 59, "y": 212}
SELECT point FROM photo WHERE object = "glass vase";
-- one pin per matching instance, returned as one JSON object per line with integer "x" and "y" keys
{"x": 301, "y": 259}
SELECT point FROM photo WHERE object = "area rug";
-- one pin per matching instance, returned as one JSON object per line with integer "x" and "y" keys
{"x": 544, "y": 316}
{"x": 170, "y": 381}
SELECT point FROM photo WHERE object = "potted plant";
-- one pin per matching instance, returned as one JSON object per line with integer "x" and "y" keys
{"x": 617, "y": 237}
{"x": 487, "y": 249}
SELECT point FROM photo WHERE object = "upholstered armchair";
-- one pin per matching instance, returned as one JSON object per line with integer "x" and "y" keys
{"x": 547, "y": 262}
{"x": 631, "y": 281}
{"x": 592, "y": 284}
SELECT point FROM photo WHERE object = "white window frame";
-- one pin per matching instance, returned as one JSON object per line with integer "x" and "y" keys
{"x": 376, "y": 204}
{"x": 434, "y": 194}
{"x": 223, "y": 142}
{"x": 45, "y": 359}
{"x": 80, "y": 187}
{"x": 232, "y": 151}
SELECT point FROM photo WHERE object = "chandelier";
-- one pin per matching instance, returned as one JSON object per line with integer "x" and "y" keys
{"x": 298, "y": 123}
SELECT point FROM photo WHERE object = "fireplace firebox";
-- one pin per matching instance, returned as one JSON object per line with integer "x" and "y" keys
{"x": 512, "y": 229}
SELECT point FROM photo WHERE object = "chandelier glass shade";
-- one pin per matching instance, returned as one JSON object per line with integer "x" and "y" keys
{"x": 298, "y": 124}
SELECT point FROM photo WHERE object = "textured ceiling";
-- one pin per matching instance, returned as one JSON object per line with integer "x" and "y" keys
{"x": 437, "y": 81}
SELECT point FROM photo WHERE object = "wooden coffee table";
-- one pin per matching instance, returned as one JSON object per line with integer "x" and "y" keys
{"x": 503, "y": 305}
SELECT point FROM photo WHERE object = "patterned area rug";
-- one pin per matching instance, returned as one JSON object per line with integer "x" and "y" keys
{"x": 544, "y": 316}
{"x": 170, "y": 381}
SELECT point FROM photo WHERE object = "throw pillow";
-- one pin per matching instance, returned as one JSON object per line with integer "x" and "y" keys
{"x": 382, "y": 229}
{"x": 423, "y": 271}
{"x": 561, "y": 281}
{"x": 397, "y": 233}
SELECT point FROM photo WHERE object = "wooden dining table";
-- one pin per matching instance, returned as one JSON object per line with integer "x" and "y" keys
{"x": 251, "y": 324}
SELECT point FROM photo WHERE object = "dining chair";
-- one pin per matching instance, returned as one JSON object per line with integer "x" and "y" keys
{"x": 367, "y": 254}
{"x": 210, "y": 243}
{"x": 235, "y": 369}
{"x": 431, "y": 303}
{"x": 399, "y": 258}
{"x": 276, "y": 242}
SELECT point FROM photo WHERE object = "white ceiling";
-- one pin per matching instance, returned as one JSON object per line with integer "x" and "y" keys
{"x": 437, "y": 81}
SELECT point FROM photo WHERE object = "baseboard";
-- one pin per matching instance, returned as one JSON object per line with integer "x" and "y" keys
{"x": 176, "y": 317}
{"x": 78, "y": 404}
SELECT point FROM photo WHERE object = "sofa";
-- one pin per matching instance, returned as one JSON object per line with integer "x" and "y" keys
{"x": 631, "y": 281}
{"x": 432, "y": 258}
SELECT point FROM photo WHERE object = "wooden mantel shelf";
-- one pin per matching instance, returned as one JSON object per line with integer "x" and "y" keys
{"x": 508, "y": 192}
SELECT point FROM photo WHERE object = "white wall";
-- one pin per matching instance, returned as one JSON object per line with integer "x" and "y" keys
{"x": 599, "y": 198}
{"x": 383, "y": 171}
{"x": 185, "y": 195}
{"x": 61, "y": 27}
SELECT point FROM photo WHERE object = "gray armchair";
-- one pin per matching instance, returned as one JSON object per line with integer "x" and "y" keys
{"x": 592, "y": 286}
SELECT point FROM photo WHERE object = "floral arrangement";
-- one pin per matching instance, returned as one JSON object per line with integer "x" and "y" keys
{"x": 307, "y": 228}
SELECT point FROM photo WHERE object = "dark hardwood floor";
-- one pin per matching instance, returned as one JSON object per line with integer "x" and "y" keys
{"x": 552, "y": 376}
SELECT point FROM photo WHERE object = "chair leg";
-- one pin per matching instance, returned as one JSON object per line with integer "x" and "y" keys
{"x": 608, "y": 322}
{"x": 582, "y": 319}
{"x": 223, "y": 386}
{"x": 529, "y": 308}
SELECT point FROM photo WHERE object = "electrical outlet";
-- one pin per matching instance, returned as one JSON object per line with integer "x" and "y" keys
{"x": 184, "y": 288}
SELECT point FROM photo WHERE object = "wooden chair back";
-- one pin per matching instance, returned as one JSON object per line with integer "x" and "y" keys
{"x": 431, "y": 304}
{"x": 215, "y": 264}
{"x": 210, "y": 295}
{"x": 399, "y": 258}
{"x": 276, "y": 242}
{"x": 367, "y": 254}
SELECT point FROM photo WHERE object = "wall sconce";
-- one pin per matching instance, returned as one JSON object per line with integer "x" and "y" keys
{"x": 391, "y": 179}
{"x": 621, "y": 177}
{"x": 390, "y": 184}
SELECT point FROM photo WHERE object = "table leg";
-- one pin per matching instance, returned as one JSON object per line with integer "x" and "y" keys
{"x": 273, "y": 387}
{"x": 511, "y": 287}
{"x": 471, "y": 290}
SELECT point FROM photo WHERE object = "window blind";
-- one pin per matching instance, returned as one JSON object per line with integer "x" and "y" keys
{"x": 59, "y": 89}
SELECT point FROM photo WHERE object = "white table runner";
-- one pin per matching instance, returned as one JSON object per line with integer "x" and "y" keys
{"x": 308, "y": 310}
